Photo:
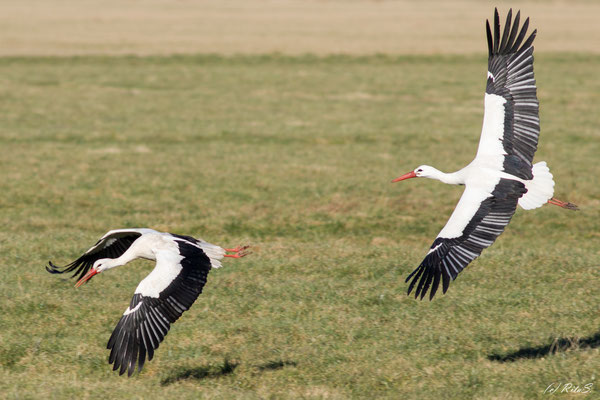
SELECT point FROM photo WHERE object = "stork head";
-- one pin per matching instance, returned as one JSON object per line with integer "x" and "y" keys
{"x": 103, "y": 264}
{"x": 422, "y": 171}
{"x": 99, "y": 266}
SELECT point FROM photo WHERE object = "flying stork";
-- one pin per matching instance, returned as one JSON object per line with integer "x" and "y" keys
{"x": 501, "y": 175}
{"x": 182, "y": 265}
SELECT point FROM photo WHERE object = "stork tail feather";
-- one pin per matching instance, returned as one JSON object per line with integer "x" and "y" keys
{"x": 539, "y": 189}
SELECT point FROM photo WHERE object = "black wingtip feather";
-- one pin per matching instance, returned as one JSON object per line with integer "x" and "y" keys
{"x": 512, "y": 38}
{"x": 132, "y": 354}
{"x": 419, "y": 270}
{"x": 430, "y": 276}
{"x": 429, "y": 281}
{"x": 420, "y": 285}
{"x": 53, "y": 268}
{"x": 529, "y": 40}
{"x": 133, "y": 357}
{"x": 488, "y": 32}
{"x": 496, "y": 30}
{"x": 435, "y": 284}
{"x": 415, "y": 279}
{"x": 514, "y": 31}
{"x": 506, "y": 31}
{"x": 142, "y": 358}
{"x": 423, "y": 284}
{"x": 445, "y": 282}
{"x": 521, "y": 36}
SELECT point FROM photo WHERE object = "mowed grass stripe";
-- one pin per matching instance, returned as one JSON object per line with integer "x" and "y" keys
{"x": 295, "y": 156}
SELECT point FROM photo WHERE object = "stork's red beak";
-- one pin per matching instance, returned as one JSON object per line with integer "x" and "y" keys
{"x": 86, "y": 277}
{"x": 411, "y": 174}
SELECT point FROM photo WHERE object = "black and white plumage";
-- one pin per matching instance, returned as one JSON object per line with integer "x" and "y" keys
{"x": 182, "y": 266}
{"x": 502, "y": 175}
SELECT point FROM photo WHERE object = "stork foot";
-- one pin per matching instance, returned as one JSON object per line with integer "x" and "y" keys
{"x": 237, "y": 249}
{"x": 563, "y": 204}
{"x": 239, "y": 252}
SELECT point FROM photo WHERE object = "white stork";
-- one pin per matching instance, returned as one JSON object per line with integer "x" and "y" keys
{"x": 182, "y": 265}
{"x": 501, "y": 175}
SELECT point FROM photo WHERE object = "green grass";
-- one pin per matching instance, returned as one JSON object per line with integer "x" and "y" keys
{"x": 293, "y": 156}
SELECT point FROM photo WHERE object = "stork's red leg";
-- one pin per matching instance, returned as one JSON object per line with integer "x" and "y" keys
{"x": 237, "y": 249}
{"x": 239, "y": 252}
{"x": 563, "y": 204}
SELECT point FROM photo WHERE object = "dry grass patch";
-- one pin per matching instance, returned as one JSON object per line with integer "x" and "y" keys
{"x": 67, "y": 27}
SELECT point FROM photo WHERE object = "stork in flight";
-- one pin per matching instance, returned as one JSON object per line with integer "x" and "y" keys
{"x": 501, "y": 175}
{"x": 182, "y": 265}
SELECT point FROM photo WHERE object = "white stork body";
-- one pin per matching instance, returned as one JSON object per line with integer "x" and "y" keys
{"x": 182, "y": 266}
{"x": 502, "y": 175}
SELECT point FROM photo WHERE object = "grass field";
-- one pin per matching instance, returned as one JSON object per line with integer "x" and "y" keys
{"x": 293, "y": 155}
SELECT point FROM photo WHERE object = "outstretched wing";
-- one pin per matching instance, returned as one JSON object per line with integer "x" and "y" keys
{"x": 478, "y": 219}
{"x": 112, "y": 245}
{"x": 159, "y": 300}
{"x": 511, "y": 124}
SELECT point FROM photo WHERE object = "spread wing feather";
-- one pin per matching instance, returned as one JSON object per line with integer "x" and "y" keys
{"x": 448, "y": 256}
{"x": 112, "y": 245}
{"x": 148, "y": 319}
{"x": 510, "y": 76}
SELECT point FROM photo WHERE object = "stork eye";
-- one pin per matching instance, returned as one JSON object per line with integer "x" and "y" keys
{"x": 419, "y": 170}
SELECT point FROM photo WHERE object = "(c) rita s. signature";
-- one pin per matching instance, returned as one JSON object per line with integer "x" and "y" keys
{"x": 559, "y": 387}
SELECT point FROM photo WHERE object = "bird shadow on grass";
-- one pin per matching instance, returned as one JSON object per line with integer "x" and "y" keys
{"x": 201, "y": 373}
{"x": 273, "y": 365}
{"x": 558, "y": 345}
{"x": 216, "y": 371}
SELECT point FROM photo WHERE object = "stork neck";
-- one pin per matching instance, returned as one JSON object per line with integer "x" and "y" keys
{"x": 124, "y": 259}
{"x": 453, "y": 178}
